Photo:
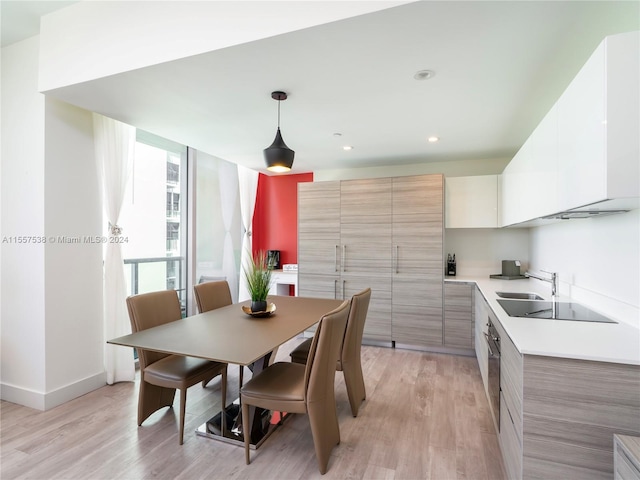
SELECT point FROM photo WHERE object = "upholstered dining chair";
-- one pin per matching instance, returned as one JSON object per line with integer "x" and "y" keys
{"x": 212, "y": 295}
{"x": 349, "y": 361}
{"x": 161, "y": 373}
{"x": 296, "y": 388}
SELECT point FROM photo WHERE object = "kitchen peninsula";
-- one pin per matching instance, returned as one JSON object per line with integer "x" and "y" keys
{"x": 566, "y": 387}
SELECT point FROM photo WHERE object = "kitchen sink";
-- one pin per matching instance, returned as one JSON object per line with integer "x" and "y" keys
{"x": 520, "y": 295}
{"x": 552, "y": 310}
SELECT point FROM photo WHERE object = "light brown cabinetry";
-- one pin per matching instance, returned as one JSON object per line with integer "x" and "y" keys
{"x": 572, "y": 409}
{"x": 417, "y": 251}
{"x": 365, "y": 243}
{"x": 558, "y": 415}
{"x": 458, "y": 315}
{"x": 510, "y": 434}
{"x": 626, "y": 457}
{"x": 383, "y": 233}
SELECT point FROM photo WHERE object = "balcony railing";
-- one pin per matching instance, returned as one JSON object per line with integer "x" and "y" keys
{"x": 145, "y": 276}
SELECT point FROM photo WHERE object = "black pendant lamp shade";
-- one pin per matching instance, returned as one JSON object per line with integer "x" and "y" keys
{"x": 278, "y": 156}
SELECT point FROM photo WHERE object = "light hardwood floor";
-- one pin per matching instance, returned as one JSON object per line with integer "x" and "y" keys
{"x": 426, "y": 417}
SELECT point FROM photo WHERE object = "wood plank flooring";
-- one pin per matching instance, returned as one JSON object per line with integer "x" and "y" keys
{"x": 426, "y": 417}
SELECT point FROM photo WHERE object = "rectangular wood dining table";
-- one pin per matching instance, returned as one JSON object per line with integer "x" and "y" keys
{"x": 229, "y": 335}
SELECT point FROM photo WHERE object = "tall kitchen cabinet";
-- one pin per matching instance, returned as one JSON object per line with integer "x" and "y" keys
{"x": 418, "y": 266}
{"x": 383, "y": 233}
{"x": 365, "y": 236}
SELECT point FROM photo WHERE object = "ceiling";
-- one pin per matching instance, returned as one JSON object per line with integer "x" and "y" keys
{"x": 499, "y": 67}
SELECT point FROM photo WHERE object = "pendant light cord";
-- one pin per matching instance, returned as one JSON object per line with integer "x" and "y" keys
{"x": 278, "y": 114}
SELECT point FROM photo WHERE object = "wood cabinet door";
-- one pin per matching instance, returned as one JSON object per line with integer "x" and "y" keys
{"x": 377, "y": 326}
{"x": 365, "y": 226}
{"x": 458, "y": 315}
{"x": 319, "y": 286}
{"x": 417, "y": 270}
{"x": 319, "y": 228}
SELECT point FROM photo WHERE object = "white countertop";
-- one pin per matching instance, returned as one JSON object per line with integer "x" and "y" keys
{"x": 605, "y": 342}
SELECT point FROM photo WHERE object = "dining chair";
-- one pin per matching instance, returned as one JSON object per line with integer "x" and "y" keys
{"x": 161, "y": 373}
{"x": 212, "y": 295}
{"x": 349, "y": 362}
{"x": 296, "y": 388}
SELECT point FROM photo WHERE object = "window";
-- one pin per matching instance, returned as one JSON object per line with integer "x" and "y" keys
{"x": 152, "y": 217}
{"x": 173, "y": 173}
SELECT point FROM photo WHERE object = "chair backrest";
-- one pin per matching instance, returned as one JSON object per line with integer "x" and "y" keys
{"x": 352, "y": 343}
{"x": 324, "y": 353}
{"x": 148, "y": 310}
{"x": 212, "y": 295}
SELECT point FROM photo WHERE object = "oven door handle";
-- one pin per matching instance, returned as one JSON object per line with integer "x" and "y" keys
{"x": 489, "y": 344}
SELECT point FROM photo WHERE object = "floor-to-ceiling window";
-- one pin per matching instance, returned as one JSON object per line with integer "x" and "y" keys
{"x": 154, "y": 218}
{"x": 218, "y": 225}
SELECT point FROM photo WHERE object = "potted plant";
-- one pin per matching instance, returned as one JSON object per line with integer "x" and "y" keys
{"x": 258, "y": 277}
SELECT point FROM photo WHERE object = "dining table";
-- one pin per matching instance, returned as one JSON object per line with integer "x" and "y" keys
{"x": 233, "y": 335}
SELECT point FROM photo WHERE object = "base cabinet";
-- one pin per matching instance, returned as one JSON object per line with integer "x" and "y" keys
{"x": 572, "y": 409}
{"x": 626, "y": 457}
{"x": 558, "y": 416}
{"x": 458, "y": 315}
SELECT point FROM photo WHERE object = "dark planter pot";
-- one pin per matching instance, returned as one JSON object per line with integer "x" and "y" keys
{"x": 259, "y": 306}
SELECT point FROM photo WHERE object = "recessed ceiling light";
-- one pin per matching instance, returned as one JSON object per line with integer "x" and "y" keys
{"x": 347, "y": 147}
{"x": 433, "y": 139}
{"x": 424, "y": 74}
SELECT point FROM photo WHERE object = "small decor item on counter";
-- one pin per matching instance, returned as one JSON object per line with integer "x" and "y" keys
{"x": 451, "y": 265}
{"x": 273, "y": 259}
{"x": 271, "y": 307}
{"x": 258, "y": 277}
{"x": 510, "y": 271}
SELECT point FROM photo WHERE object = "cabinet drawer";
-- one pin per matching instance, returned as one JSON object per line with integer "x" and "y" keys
{"x": 458, "y": 315}
{"x": 509, "y": 442}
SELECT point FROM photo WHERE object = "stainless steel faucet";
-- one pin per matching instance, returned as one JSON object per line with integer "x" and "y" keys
{"x": 553, "y": 280}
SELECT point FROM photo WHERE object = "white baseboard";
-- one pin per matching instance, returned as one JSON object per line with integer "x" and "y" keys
{"x": 46, "y": 401}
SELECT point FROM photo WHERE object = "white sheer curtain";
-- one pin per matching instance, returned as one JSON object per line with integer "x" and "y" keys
{"x": 114, "y": 150}
{"x": 248, "y": 181}
{"x": 228, "y": 181}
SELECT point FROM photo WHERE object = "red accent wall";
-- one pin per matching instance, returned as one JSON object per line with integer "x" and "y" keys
{"x": 275, "y": 220}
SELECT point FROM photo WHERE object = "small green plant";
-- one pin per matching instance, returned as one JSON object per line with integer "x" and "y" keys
{"x": 258, "y": 276}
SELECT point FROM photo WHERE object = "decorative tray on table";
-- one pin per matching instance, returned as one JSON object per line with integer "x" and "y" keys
{"x": 271, "y": 307}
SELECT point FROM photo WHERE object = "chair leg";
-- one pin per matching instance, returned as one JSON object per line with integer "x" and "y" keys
{"x": 246, "y": 430}
{"x": 183, "y": 404}
{"x": 354, "y": 382}
{"x": 152, "y": 398}
{"x": 323, "y": 419}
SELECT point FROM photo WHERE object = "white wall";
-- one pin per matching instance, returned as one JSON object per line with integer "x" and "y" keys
{"x": 480, "y": 251}
{"x": 52, "y": 338}
{"x": 597, "y": 259}
{"x": 22, "y": 269}
{"x": 73, "y": 271}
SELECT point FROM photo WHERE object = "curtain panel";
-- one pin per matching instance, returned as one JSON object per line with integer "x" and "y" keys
{"x": 248, "y": 181}
{"x": 114, "y": 151}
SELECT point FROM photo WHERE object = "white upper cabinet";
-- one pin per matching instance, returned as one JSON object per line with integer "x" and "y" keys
{"x": 471, "y": 202}
{"x": 586, "y": 149}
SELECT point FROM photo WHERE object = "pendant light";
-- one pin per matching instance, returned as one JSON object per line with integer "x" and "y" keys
{"x": 278, "y": 156}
